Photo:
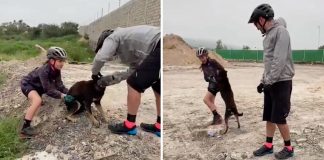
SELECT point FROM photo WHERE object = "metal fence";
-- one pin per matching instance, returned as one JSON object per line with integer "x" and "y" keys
{"x": 306, "y": 56}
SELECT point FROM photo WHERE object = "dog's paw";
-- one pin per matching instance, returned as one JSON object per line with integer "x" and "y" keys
{"x": 74, "y": 120}
{"x": 96, "y": 123}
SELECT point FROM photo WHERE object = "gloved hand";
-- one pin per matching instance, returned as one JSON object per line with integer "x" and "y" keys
{"x": 68, "y": 98}
{"x": 96, "y": 77}
{"x": 260, "y": 88}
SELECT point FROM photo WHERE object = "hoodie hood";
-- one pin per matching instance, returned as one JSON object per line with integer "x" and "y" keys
{"x": 280, "y": 22}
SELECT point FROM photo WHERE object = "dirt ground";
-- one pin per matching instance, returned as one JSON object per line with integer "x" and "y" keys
{"x": 186, "y": 116}
{"x": 61, "y": 139}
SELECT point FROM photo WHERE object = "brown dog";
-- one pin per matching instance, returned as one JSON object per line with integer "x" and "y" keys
{"x": 228, "y": 97}
{"x": 85, "y": 93}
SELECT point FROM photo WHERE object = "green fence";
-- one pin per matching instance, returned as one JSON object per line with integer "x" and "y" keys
{"x": 308, "y": 56}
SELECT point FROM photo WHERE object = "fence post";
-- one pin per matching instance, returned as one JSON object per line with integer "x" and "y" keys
{"x": 304, "y": 56}
{"x": 323, "y": 55}
{"x": 257, "y": 56}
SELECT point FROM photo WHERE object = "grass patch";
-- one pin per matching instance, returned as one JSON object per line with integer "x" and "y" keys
{"x": 24, "y": 49}
{"x": 11, "y": 147}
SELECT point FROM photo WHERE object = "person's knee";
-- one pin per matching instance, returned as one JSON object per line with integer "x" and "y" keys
{"x": 36, "y": 101}
{"x": 207, "y": 100}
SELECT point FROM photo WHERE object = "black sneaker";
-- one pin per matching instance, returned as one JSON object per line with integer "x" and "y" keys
{"x": 151, "y": 128}
{"x": 284, "y": 153}
{"x": 28, "y": 132}
{"x": 120, "y": 128}
{"x": 263, "y": 150}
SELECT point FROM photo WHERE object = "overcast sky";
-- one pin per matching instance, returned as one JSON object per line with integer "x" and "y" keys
{"x": 227, "y": 20}
{"x": 34, "y": 12}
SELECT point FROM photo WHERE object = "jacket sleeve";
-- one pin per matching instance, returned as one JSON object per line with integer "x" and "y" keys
{"x": 59, "y": 84}
{"x": 49, "y": 88}
{"x": 280, "y": 55}
{"x": 106, "y": 53}
{"x": 114, "y": 78}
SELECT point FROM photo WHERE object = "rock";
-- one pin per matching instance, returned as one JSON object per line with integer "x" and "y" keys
{"x": 87, "y": 149}
{"x": 321, "y": 144}
{"x": 221, "y": 156}
{"x": 71, "y": 148}
{"x": 65, "y": 150}
{"x": 236, "y": 156}
{"x": 301, "y": 140}
{"x": 244, "y": 155}
{"x": 84, "y": 143}
{"x": 49, "y": 148}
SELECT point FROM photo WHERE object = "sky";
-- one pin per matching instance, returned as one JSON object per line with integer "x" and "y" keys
{"x": 210, "y": 20}
{"x": 34, "y": 12}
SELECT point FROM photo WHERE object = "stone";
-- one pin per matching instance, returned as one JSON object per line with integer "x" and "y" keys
{"x": 49, "y": 148}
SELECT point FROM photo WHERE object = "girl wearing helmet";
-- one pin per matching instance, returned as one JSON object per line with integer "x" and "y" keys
{"x": 45, "y": 79}
{"x": 213, "y": 72}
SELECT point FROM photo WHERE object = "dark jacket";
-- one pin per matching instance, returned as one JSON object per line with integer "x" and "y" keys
{"x": 44, "y": 78}
{"x": 213, "y": 71}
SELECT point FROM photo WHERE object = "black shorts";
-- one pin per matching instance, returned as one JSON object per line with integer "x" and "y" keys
{"x": 147, "y": 74}
{"x": 26, "y": 88}
{"x": 277, "y": 102}
{"x": 213, "y": 88}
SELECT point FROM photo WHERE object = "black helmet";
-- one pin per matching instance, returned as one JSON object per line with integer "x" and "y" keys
{"x": 263, "y": 10}
{"x": 56, "y": 53}
{"x": 104, "y": 34}
{"x": 201, "y": 51}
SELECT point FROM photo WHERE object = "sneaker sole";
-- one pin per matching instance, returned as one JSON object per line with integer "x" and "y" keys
{"x": 265, "y": 153}
{"x": 286, "y": 157}
{"x": 132, "y": 132}
{"x": 156, "y": 133}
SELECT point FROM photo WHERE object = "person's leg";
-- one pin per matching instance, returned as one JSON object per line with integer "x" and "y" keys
{"x": 283, "y": 90}
{"x": 35, "y": 103}
{"x": 267, "y": 147}
{"x": 209, "y": 100}
{"x": 156, "y": 127}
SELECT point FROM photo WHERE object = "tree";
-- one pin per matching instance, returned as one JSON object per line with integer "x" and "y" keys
{"x": 219, "y": 44}
{"x": 50, "y": 30}
{"x": 246, "y": 47}
{"x": 69, "y": 28}
{"x": 321, "y": 47}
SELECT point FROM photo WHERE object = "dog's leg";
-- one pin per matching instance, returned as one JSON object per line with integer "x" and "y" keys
{"x": 227, "y": 116}
{"x": 238, "y": 121}
{"x": 74, "y": 107}
{"x": 99, "y": 107}
{"x": 70, "y": 118}
{"x": 89, "y": 113}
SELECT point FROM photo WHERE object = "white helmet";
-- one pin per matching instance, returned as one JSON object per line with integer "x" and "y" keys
{"x": 56, "y": 53}
{"x": 201, "y": 51}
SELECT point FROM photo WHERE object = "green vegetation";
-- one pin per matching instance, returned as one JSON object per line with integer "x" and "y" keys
{"x": 11, "y": 146}
{"x": 24, "y": 49}
{"x": 17, "y": 40}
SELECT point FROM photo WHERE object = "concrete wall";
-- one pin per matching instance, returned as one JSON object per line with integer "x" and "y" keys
{"x": 135, "y": 12}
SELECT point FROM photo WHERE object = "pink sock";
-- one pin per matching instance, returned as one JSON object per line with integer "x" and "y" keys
{"x": 268, "y": 145}
{"x": 290, "y": 148}
{"x": 158, "y": 125}
{"x": 129, "y": 124}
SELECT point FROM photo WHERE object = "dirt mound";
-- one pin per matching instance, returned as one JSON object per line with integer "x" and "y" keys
{"x": 177, "y": 52}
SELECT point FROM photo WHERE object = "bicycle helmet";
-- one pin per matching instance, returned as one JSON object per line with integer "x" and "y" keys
{"x": 263, "y": 10}
{"x": 201, "y": 51}
{"x": 56, "y": 53}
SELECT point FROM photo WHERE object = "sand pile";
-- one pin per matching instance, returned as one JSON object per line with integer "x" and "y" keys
{"x": 178, "y": 53}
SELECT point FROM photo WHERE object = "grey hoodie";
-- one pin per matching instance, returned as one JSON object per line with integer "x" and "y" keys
{"x": 277, "y": 54}
{"x": 131, "y": 45}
